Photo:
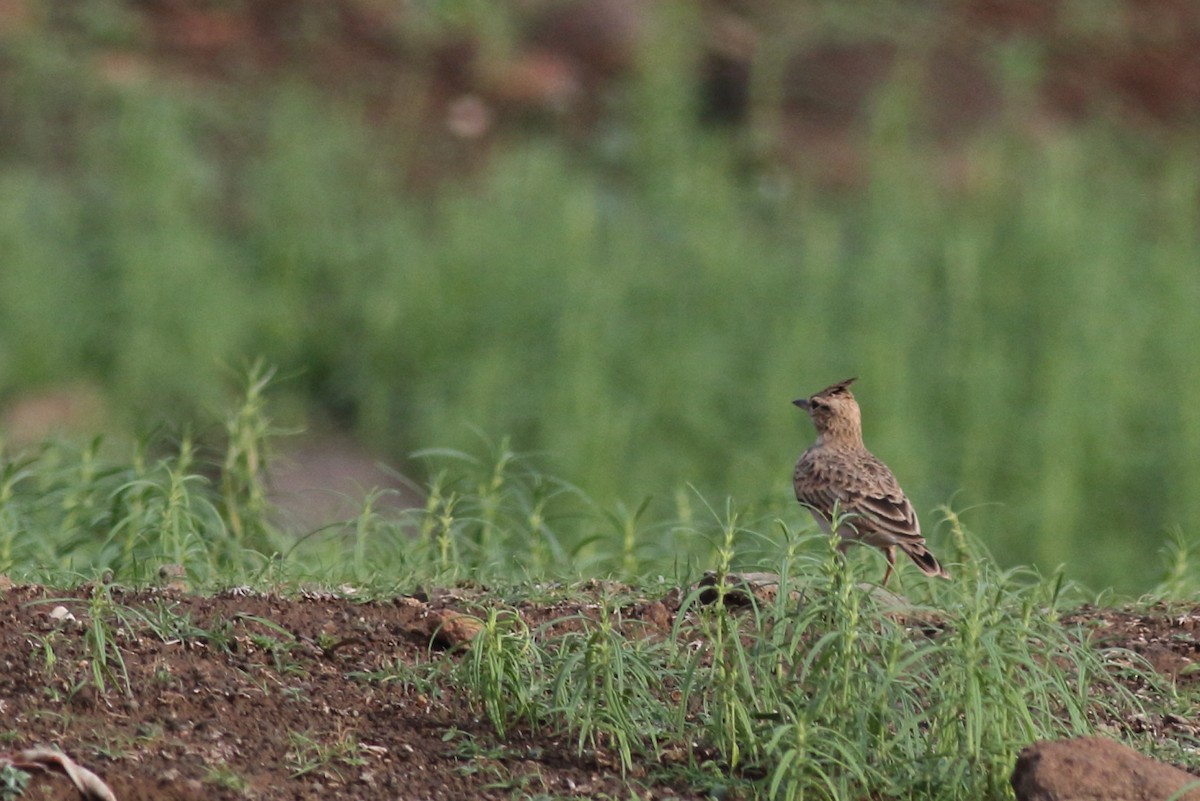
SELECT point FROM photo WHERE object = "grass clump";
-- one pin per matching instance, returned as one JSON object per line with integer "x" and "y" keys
{"x": 324, "y": 756}
{"x": 13, "y": 782}
{"x": 69, "y": 509}
{"x": 502, "y": 668}
{"x": 608, "y": 687}
{"x": 482, "y": 513}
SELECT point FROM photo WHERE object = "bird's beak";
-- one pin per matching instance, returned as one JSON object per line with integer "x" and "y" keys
{"x": 802, "y": 403}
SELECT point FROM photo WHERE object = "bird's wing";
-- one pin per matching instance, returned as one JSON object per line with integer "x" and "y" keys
{"x": 863, "y": 487}
{"x": 889, "y": 514}
{"x": 878, "y": 498}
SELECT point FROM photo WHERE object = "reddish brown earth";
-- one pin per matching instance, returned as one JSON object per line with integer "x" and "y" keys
{"x": 242, "y": 675}
{"x": 268, "y": 669}
{"x": 455, "y": 93}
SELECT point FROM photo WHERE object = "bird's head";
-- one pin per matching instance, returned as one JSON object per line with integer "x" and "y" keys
{"x": 834, "y": 410}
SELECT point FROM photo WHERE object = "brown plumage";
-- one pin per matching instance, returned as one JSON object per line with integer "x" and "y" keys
{"x": 838, "y": 472}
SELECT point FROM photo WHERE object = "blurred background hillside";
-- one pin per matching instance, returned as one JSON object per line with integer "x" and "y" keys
{"x": 626, "y": 235}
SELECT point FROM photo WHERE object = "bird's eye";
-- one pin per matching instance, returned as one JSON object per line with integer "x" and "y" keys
{"x": 816, "y": 404}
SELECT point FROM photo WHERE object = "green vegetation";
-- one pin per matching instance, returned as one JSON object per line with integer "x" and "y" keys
{"x": 325, "y": 757}
{"x": 639, "y": 310}
{"x": 224, "y": 777}
{"x": 12, "y": 782}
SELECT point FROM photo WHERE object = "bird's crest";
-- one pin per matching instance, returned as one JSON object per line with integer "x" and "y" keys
{"x": 840, "y": 388}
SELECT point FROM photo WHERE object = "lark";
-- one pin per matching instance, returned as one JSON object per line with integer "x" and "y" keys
{"x": 839, "y": 477}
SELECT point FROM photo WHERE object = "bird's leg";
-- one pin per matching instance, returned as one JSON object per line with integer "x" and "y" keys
{"x": 890, "y": 552}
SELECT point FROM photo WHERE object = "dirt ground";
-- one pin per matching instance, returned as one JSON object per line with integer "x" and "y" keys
{"x": 219, "y": 715}
{"x": 251, "y": 696}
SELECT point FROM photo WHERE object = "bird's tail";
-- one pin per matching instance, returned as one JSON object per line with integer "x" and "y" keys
{"x": 928, "y": 563}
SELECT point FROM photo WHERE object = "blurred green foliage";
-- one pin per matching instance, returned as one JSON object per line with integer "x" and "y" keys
{"x": 639, "y": 313}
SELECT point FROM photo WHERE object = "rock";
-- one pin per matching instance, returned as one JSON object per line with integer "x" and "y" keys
{"x": 1097, "y": 769}
{"x": 657, "y": 615}
{"x": 173, "y": 577}
{"x": 451, "y": 629}
{"x": 741, "y": 589}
